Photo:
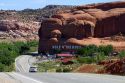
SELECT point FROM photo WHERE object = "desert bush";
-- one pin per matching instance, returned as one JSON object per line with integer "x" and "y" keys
{"x": 75, "y": 61}
{"x": 87, "y": 60}
{"x": 59, "y": 69}
{"x": 57, "y": 66}
{"x": 89, "y": 50}
{"x": 45, "y": 66}
{"x": 106, "y": 49}
{"x": 1, "y": 67}
{"x": 66, "y": 69}
{"x": 122, "y": 54}
{"x": 92, "y": 59}
{"x": 33, "y": 43}
{"x": 99, "y": 57}
{"x": 23, "y": 47}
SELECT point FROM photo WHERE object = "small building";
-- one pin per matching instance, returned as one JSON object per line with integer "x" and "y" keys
{"x": 65, "y": 58}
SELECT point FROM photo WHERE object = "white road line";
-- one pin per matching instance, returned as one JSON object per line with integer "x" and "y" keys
{"x": 28, "y": 78}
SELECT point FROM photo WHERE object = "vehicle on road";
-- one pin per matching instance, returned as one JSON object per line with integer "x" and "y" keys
{"x": 33, "y": 69}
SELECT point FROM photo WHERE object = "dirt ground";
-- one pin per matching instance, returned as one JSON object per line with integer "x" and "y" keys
{"x": 117, "y": 43}
{"x": 89, "y": 68}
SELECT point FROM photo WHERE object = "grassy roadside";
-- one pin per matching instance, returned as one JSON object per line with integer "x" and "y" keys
{"x": 10, "y": 50}
{"x": 53, "y": 66}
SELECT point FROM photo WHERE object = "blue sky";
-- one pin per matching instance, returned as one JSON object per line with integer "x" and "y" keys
{"x": 23, "y": 4}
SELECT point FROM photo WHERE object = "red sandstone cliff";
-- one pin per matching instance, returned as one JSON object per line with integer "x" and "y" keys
{"x": 74, "y": 25}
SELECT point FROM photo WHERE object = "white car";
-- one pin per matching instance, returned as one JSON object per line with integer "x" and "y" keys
{"x": 33, "y": 69}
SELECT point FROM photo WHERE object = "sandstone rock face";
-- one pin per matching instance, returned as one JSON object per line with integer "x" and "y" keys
{"x": 18, "y": 30}
{"x": 95, "y": 20}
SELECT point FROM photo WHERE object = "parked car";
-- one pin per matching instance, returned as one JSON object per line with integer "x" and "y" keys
{"x": 33, "y": 69}
{"x": 113, "y": 53}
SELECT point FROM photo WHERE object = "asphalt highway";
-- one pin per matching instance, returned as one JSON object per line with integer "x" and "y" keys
{"x": 14, "y": 77}
{"x": 75, "y": 78}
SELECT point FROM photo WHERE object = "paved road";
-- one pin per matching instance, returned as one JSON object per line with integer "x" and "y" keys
{"x": 62, "y": 78}
{"x": 6, "y": 78}
{"x": 16, "y": 78}
{"x": 75, "y": 78}
{"x": 23, "y": 63}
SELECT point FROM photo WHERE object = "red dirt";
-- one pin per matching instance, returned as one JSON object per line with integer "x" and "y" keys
{"x": 88, "y": 68}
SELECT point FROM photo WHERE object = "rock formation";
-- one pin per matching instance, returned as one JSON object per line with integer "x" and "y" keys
{"x": 74, "y": 25}
{"x": 18, "y": 30}
{"x": 24, "y": 24}
{"x": 116, "y": 66}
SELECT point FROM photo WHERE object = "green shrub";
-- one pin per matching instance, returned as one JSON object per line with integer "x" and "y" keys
{"x": 66, "y": 69}
{"x": 23, "y": 47}
{"x": 75, "y": 61}
{"x": 87, "y": 60}
{"x": 9, "y": 68}
{"x": 59, "y": 69}
{"x": 99, "y": 57}
{"x": 122, "y": 54}
{"x": 106, "y": 49}
{"x": 55, "y": 67}
{"x": 33, "y": 43}
{"x": 2, "y": 67}
{"x": 89, "y": 50}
